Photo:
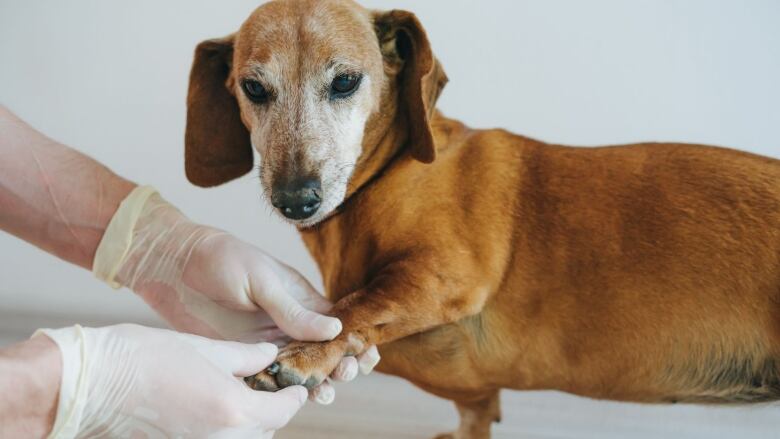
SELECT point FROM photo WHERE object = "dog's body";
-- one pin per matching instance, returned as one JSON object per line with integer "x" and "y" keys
{"x": 645, "y": 272}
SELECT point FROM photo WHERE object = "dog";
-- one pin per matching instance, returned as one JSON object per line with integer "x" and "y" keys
{"x": 480, "y": 259}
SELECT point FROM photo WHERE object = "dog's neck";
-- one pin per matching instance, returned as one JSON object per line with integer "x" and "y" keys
{"x": 381, "y": 148}
{"x": 378, "y": 156}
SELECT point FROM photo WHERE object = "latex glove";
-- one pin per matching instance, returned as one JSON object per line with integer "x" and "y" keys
{"x": 133, "y": 381}
{"x": 205, "y": 281}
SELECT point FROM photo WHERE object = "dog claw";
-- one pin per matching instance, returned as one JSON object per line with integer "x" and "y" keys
{"x": 273, "y": 369}
{"x": 262, "y": 382}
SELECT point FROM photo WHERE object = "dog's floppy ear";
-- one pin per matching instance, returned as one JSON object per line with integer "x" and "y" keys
{"x": 217, "y": 145}
{"x": 421, "y": 78}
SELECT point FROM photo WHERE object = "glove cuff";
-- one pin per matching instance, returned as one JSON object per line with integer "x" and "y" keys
{"x": 73, "y": 386}
{"x": 115, "y": 244}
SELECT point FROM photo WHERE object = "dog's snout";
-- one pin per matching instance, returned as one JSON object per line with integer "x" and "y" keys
{"x": 298, "y": 199}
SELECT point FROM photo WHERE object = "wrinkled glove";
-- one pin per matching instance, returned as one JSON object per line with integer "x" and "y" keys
{"x": 205, "y": 281}
{"x": 133, "y": 381}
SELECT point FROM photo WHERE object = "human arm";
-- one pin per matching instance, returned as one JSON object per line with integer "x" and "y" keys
{"x": 200, "y": 279}
{"x": 54, "y": 196}
{"x": 63, "y": 201}
{"x": 126, "y": 380}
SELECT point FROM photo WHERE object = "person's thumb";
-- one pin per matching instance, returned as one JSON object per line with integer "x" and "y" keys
{"x": 236, "y": 358}
{"x": 255, "y": 358}
{"x": 297, "y": 321}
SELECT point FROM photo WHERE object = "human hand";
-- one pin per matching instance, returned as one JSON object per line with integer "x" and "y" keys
{"x": 222, "y": 264}
{"x": 205, "y": 281}
{"x": 133, "y": 381}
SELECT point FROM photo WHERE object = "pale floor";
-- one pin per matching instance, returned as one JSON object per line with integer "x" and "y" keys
{"x": 384, "y": 407}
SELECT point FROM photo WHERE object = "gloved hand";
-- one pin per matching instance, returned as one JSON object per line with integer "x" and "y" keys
{"x": 133, "y": 381}
{"x": 205, "y": 281}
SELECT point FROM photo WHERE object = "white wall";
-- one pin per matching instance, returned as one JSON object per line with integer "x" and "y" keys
{"x": 109, "y": 78}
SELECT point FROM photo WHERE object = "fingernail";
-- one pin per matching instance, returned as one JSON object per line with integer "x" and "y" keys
{"x": 343, "y": 371}
{"x": 325, "y": 395}
{"x": 347, "y": 369}
{"x": 334, "y": 328}
{"x": 369, "y": 362}
{"x": 351, "y": 373}
{"x": 268, "y": 349}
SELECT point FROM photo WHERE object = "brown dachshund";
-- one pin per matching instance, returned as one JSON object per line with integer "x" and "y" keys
{"x": 480, "y": 259}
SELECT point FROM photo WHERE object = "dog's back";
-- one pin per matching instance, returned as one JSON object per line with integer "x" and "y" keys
{"x": 654, "y": 268}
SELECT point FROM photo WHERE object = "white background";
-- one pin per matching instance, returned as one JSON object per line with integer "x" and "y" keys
{"x": 110, "y": 78}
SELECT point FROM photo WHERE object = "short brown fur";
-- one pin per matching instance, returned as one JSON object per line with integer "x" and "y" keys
{"x": 646, "y": 272}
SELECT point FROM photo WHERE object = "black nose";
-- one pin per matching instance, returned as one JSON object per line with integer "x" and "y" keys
{"x": 297, "y": 199}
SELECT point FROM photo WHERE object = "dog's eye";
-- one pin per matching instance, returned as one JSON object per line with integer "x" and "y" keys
{"x": 344, "y": 85}
{"x": 255, "y": 91}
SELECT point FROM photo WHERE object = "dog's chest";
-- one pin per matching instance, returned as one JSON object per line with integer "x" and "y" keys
{"x": 344, "y": 259}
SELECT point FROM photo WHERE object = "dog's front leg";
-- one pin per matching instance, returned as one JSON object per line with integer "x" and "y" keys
{"x": 402, "y": 300}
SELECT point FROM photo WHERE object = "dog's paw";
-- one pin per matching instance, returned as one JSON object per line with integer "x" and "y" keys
{"x": 299, "y": 363}
{"x": 445, "y": 436}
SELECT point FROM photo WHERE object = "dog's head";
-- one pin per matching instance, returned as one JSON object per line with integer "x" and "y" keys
{"x": 312, "y": 85}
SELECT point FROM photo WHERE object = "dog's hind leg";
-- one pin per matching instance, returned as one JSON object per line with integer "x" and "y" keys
{"x": 476, "y": 417}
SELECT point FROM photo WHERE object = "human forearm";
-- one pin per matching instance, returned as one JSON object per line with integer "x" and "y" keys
{"x": 53, "y": 196}
{"x": 29, "y": 381}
